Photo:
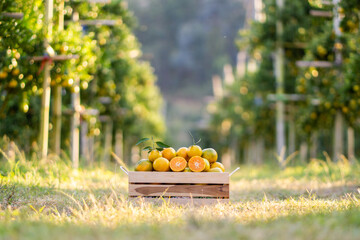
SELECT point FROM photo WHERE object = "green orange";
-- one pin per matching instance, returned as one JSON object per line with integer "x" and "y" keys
{"x": 207, "y": 165}
{"x": 210, "y": 154}
{"x": 219, "y": 165}
{"x": 144, "y": 165}
{"x": 215, "y": 169}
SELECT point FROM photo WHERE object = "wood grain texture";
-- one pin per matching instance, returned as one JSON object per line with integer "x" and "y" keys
{"x": 181, "y": 201}
{"x": 179, "y": 177}
{"x": 221, "y": 190}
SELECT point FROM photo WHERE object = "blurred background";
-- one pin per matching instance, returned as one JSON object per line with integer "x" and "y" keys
{"x": 258, "y": 80}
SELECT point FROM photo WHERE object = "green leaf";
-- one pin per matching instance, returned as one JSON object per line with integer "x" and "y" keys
{"x": 142, "y": 140}
{"x": 162, "y": 145}
{"x": 159, "y": 149}
{"x": 147, "y": 148}
{"x": 198, "y": 141}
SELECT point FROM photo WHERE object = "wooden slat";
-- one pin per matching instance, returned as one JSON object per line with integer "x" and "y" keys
{"x": 327, "y": 3}
{"x": 321, "y": 64}
{"x": 299, "y": 45}
{"x": 221, "y": 190}
{"x": 179, "y": 177}
{"x": 98, "y": 22}
{"x": 99, "y": 1}
{"x": 286, "y": 97}
{"x": 55, "y": 58}
{"x": 15, "y": 15}
{"x": 317, "y": 13}
{"x": 182, "y": 201}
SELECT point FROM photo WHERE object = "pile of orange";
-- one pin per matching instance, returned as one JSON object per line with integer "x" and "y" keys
{"x": 191, "y": 159}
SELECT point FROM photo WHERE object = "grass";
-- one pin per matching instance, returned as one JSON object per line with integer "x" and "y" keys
{"x": 49, "y": 200}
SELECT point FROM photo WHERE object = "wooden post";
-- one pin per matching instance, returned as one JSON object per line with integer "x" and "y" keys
{"x": 217, "y": 86}
{"x": 303, "y": 152}
{"x": 314, "y": 145}
{"x": 279, "y": 69}
{"x": 259, "y": 150}
{"x": 135, "y": 154}
{"x": 119, "y": 147}
{"x": 292, "y": 130}
{"x": 226, "y": 158}
{"x": 57, "y": 95}
{"x": 45, "y": 100}
{"x": 84, "y": 139}
{"x": 351, "y": 144}
{"x": 108, "y": 129}
{"x": 75, "y": 124}
{"x": 338, "y": 131}
{"x": 75, "y": 121}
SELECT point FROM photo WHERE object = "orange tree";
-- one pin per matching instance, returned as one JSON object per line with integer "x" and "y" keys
{"x": 350, "y": 28}
{"x": 121, "y": 78}
{"x": 19, "y": 81}
{"x": 336, "y": 89}
{"x": 246, "y": 110}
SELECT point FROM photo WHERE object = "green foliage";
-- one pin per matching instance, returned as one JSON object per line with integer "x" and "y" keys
{"x": 108, "y": 68}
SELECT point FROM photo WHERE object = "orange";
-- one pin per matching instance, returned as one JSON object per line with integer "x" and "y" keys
{"x": 197, "y": 164}
{"x": 178, "y": 164}
{"x": 154, "y": 154}
{"x": 13, "y": 83}
{"x": 187, "y": 169}
{"x": 168, "y": 153}
{"x": 194, "y": 150}
{"x": 182, "y": 152}
{"x": 219, "y": 165}
{"x": 207, "y": 165}
{"x": 215, "y": 169}
{"x": 144, "y": 165}
{"x": 210, "y": 154}
{"x": 3, "y": 74}
{"x": 161, "y": 165}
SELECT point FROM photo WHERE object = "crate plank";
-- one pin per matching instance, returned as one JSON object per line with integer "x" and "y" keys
{"x": 181, "y": 201}
{"x": 179, "y": 177}
{"x": 221, "y": 190}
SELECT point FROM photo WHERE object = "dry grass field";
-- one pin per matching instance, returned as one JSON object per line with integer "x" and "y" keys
{"x": 49, "y": 200}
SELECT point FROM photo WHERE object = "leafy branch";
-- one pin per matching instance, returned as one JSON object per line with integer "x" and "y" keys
{"x": 154, "y": 146}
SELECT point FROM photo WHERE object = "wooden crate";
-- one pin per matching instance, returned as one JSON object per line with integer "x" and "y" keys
{"x": 180, "y": 187}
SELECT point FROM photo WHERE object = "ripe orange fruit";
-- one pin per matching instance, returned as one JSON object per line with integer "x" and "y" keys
{"x": 3, "y": 74}
{"x": 194, "y": 150}
{"x": 207, "y": 165}
{"x": 178, "y": 164}
{"x": 13, "y": 83}
{"x": 219, "y": 165}
{"x": 182, "y": 152}
{"x": 187, "y": 169}
{"x": 168, "y": 153}
{"x": 144, "y": 165}
{"x": 161, "y": 164}
{"x": 154, "y": 154}
{"x": 215, "y": 169}
{"x": 197, "y": 164}
{"x": 210, "y": 154}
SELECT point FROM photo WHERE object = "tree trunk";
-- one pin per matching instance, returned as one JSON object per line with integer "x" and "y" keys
{"x": 338, "y": 136}
{"x": 351, "y": 144}
{"x": 304, "y": 152}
